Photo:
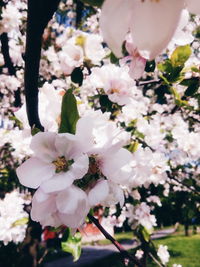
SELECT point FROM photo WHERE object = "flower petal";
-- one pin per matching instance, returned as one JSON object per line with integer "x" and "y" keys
{"x": 114, "y": 23}
{"x": 68, "y": 200}
{"x": 42, "y": 209}
{"x": 98, "y": 193}
{"x": 117, "y": 167}
{"x": 43, "y": 145}
{"x": 66, "y": 145}
{"x": 193, "y": 6}
{"x": 34, "y": 171}
{"x": 73, "y": 206}
{"x": 58, "y": 182}
{"x": 153, "y": 25}
{"x": 80, "y": 167}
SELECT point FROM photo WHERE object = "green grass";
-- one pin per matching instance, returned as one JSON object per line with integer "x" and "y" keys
{"x": 183, "y": 250}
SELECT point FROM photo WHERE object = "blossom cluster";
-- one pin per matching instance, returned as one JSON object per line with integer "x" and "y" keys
{"x": 13, "y": 217}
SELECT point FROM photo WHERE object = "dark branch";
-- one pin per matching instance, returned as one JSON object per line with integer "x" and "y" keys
{"x": 39, "y": 14}
{"x": 121, "y": 249}
{"x": 9, "y": 64}
{"x": 191, "y": 188}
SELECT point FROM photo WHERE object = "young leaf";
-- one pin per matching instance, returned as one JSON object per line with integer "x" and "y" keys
{"x": 180, "y": 55}
{"x": 69, "y": 113}
{"x": 35, "y": 130}
{"x": 72, "y": 245}
{"x": 21, "y": 221}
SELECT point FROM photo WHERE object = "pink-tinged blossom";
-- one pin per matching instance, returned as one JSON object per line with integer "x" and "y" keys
{"x": 140, "y": 215}
{"x": 152, "y": 24}
{"x": 115, "y": 82}
{"x": 68, "y": 207}
{"x": 134, "y": 60}
{"x": 55, "y": 164}
{"x": 103, "y": 142}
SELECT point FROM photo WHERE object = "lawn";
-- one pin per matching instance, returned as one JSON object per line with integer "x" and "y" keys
{"x": 183, "y": 250}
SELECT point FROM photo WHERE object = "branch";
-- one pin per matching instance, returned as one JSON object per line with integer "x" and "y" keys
{"x": 141, "y": 83}
{"x": 192, "y": 189}
{"x": 9, "y": 64}
{"x": 79, "y": 12}
{"x": 155, "y": 260}
{"x": 39, "y": 14}
{"x": 121, "y": 249}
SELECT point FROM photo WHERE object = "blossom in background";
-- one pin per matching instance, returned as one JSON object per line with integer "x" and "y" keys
{"x": 13, "y": 218}
{"x": 163, "y": 254}
{"x": 139, "y": 254}
{"x": 140, "y": 215}
{"x": 115, "y": 82}
{"x": 11, "y": 18}
{"x": 143, "y": 19}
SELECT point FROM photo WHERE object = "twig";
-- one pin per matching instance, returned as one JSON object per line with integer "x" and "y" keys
{"x": 121, "y": 249}
{"x": 141, "y": 83}
{"x": 182, "y": 183}
{"x": 43, "y": 256}
{"x": 155, "y": 260}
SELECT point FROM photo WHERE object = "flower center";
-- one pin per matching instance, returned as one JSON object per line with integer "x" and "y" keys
{"x": 62, "y": 165}
{"x": 94, "y": 165}
{"x": 93, "y": 175}
{"x": 113, "y": 91}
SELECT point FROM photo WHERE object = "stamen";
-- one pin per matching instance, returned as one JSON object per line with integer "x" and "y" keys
{"x": 62, "y": 165}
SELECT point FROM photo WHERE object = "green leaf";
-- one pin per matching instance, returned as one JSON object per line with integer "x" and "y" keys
{"x": 35, "y": 130}
{"x": 146, "y": 233}
{"x": 97, "y": 3}
{"x": 180, "y": 55}
{"x": 21, "y": 221}
{"x": 113, "y": 58}
{"x": 193, "y": 86}
{"x": 69, "y": 113}
{"x": 72, "y": 244}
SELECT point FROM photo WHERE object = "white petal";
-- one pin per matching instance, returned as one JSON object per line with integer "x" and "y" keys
{"x": 193, "y": 6}
{"x": 153, "y": 25}
{"x": 34, "y": 171}
{"x": 114, "y": 23}
{"x": 137, "y": 67}
{"x": 43, "y": 209}
{"x": 58, "y": 182}
{"x": 43, "y": 145}
{"x": 68, "y": 200}
{"x": 80, "y": 167}
{"x": 73, "y": 206}
{"x": 117, "y": 167}
{"x": 98, "y": 193}
{"x": 40, "y": 196}
{"x": 66, "y": 145}
{"x": 116, "y": 195}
